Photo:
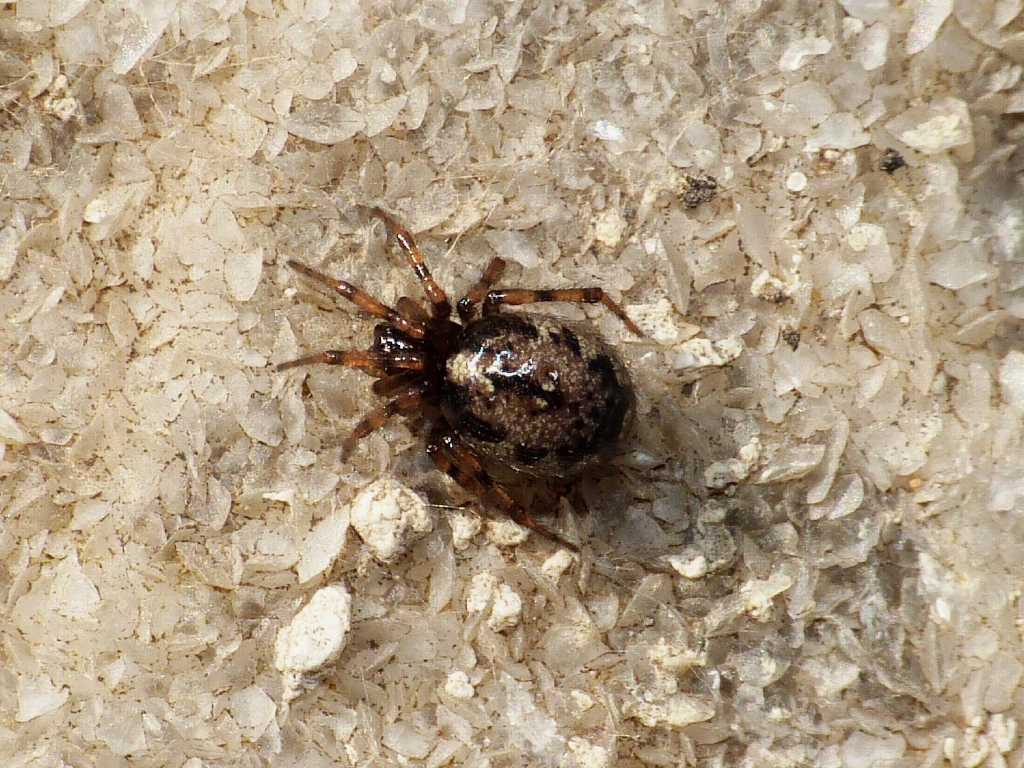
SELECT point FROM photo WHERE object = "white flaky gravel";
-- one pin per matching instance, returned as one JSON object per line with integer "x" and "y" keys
{"x": 313, "y": 638}
{"x": 808, "y": 552}
{"x": 389, "y": 517}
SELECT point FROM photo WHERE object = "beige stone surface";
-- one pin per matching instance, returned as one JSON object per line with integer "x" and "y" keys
{"x": 809, "y": 552}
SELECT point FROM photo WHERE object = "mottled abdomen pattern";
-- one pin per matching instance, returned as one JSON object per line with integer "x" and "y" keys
{"x": 535, "y": 393}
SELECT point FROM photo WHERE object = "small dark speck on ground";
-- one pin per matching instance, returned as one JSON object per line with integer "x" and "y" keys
{"x": 891, "y": 161}
{"x": 697, "y": 190}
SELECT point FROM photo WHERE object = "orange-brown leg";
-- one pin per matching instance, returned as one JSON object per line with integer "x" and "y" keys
{"x": 409, "y": 399}
{"x": 363, "y": 300}
{"x": 371, "y": 362}
{"x": 440, "y": 306}
{"x": 393, "y": 383}
{"x": 453, "y": 458}
{"x": 467, "y": 304}
{"x": 412, "y": 310}
{"x": 517, "y": 296}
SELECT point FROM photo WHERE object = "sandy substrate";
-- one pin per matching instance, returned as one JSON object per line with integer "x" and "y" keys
{"x": 809, "y": 552}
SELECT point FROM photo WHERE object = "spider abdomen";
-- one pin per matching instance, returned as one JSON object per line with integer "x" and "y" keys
{"x": 535, "y": 393}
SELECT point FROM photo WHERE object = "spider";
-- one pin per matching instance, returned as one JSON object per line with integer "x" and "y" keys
{"x": 532, "y": 393}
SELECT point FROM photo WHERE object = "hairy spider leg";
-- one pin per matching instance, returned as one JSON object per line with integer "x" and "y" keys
{"x": 395, "y": 382}
{"x": 515, "y": 296}
{"x": 457, "y": 461}
{"x": 371, "y": 362}
{"x": 411, "y": 309}
{"x": 363, "y": 300}
{"x": 467, "y": 304}
{"x": 439, "y": 304}
{"x": 408, "y": 400}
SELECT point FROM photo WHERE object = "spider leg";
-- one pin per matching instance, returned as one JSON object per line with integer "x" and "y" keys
{"x": 467, "y": 304}
{"x": 440, "y": 306}
{"x": 517, "y": 296}
{"x": 363, "y": 300}
{"x": 371, "y": 362}
{"x": 408, "y": 399}
{"x": 453, "y": 458}
{"x": 412, "y": 310}
{"x": 394, "y": 382}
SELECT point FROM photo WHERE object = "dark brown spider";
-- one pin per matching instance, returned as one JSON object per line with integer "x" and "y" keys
{"x": 529, "y": 392}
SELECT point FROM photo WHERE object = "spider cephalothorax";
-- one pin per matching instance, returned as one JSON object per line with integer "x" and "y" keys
{"x": 532, "y": 393}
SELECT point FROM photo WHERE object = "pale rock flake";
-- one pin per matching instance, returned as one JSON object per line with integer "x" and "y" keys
{"x": 1002, "y": 731}
{"x": 465, "y": 527}
{"x": 960, "y": 266}
{"x": 659, "y": 321}
{"x": 721, "y": 474}
{"x": 581, "y": 700}
{"x": 1000, "y": 695}
{"x": 791, "y": 462}
{"x": 107, "y": 210}
{"x": 704, "y": 353}
{"x": 262, "y": 422}
{"x": 388, "y": 517}
{"x": 325, "y": 123}
{"x": 863, "y": 750}
{"x": 343, "y": 64}
{"x": 37, "y": 696}
{"x": 676, "y": 711}
{"x": 253, "y": 710}
{"x": 929, "y": 16}
{"x": 799, "y": 50}
{"x": 530, "y": 728}
{"x": 407, "y": 740}
{"x": 942, "y": 124}
{"x": 9, "y": 240}
{"x": 506, "y": 533}
{"x": 692, "y": 566}
{"x": 381, "y": 116}
{"x": 481, "y": 590}
{"x": 584, "y": 754}
{"x": 144, "y": 25}
{"x": 506, "y": 610}
{"x": 345, "y": 723}
{"x": 242, "y": 273}
{"x": 839, "y": 131}
{"x": 240, "y": 132}
{"x": 770, "y": 288}
{"x": 607, "y": 131}
{"x": 458, "y": 685}
{"x": 88, "y": 513}
{"x": 514, "y": 245}
{"x": 609, "y": 227}
{"x": 73, "y": 593}
{"x": 312, "y": 639}
{"x": 11, "y": 431}
{"x": 322, "y": 545}
{"x": 874, "y": 46}
{"x": 121, "y": 729}
{"x": 557, "y": 564}
{"x": 1011, "y": 380}
{"x": 867, "y": 10}
{"x": 845, "y": 500}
